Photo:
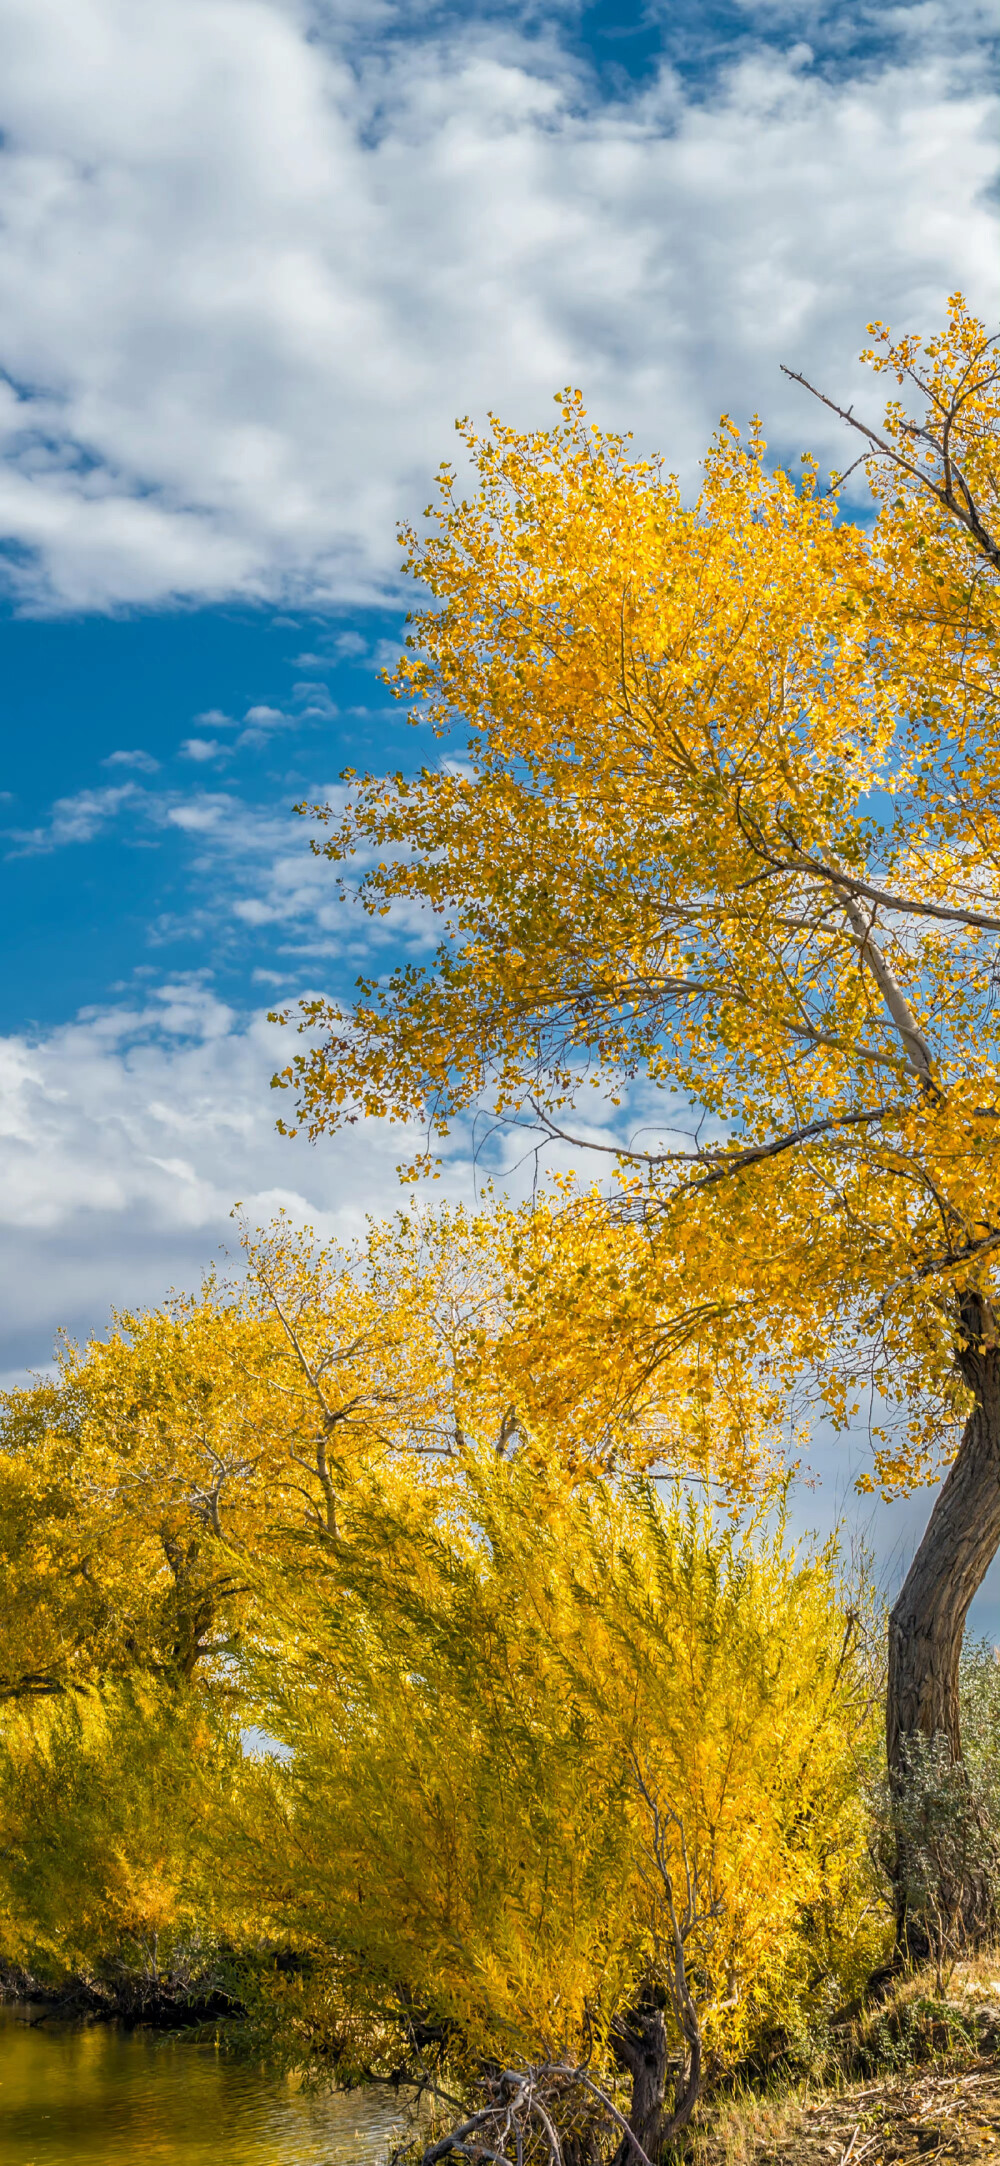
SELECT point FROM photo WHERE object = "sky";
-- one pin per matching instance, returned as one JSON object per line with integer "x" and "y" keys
{"x": 256, "y": 256}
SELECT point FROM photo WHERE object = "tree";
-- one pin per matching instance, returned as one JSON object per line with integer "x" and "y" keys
{"x": 66, "y": 1572}
{"x": 726, "y": 817}
{"x": 534, "y": 1714}
{"x": 140, "y": 1485}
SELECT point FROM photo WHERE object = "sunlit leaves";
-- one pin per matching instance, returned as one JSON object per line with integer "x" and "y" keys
{"x": 461, "y": 1845}
{"x": 725, "y": 819}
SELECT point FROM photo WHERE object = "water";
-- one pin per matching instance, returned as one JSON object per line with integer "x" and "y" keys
{"x": 93, "y": 2095}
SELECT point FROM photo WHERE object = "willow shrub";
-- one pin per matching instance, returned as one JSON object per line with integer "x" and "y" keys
{"x": 501, "y": 1695}
{"x": 105, "y": 1804}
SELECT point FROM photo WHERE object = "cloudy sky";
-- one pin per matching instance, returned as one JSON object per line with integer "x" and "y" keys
{"x": 255, "y": 257}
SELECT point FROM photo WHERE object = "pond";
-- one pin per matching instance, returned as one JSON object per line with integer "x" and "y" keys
{"x": 94, "y": 2095}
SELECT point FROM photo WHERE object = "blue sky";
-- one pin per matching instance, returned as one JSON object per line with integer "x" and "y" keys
{"x": 255, "y": 257}
{"x": 168, "y": 734}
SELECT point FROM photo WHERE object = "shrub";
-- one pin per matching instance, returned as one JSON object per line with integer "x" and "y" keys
{"x": 104, "y": 1802}
{"x": 516, "y": 1708}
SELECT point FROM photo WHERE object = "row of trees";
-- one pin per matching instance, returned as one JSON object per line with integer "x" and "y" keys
{"x": 570, "y": 1788}
{"x": 133, "y": 1480}
{"x": 565, "y": 1772}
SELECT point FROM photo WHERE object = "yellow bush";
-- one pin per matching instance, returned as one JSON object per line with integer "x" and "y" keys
{"x": 489, "y": 1693}
{"x": 104, "y": 1804}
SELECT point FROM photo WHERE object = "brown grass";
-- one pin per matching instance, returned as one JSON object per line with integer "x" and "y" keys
{"x": 931, "y": 2088}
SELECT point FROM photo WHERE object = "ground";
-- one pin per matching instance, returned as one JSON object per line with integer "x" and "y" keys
{"x": 937, "y": 2116}
{"x": 945, "y": 2107}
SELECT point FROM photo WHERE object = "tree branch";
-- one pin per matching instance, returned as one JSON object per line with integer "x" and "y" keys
{"x": 966, "y": 512}
{"x": 948, "y": 913}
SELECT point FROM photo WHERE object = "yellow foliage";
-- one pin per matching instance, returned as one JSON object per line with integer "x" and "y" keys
{"x": 104, "y": 1805}
{"x": 489, "y": 1692}
{"x": 67, "y": 1567}
{"x": 383, "y": 1505}
{"x": 139, "y": 1488}
{"x": 725, "y": 817}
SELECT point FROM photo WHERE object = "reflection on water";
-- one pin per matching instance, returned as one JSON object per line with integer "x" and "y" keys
{"x": 97, "y": 2096}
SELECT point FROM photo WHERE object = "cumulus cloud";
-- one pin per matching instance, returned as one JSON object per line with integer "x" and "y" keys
{"x": 130, "y": 1133}
{"x": 76, "y": 819}
{"x": 204, "y": 748}
{"x": 90, "y": 813}
{"x": 265, "y": 717}
{"x": 309, "y": 703}
{"x": 142, "y": 762}
{"x": 254, "y": 259}
{"x": 128, "y": 1136}
{"x": 245, "y": 867}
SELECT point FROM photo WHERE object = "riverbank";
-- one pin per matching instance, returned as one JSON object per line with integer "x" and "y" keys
{"x": 916, "y": 2076}
{"x": 155, "y": 2004}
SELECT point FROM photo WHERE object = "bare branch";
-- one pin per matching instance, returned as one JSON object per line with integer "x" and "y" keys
{"x": 964, "y": 508}
{"x": 455, "y": 2141}
{"x": 580, "y": 2075}
{"x": 980, "y": 1247}
{"x": 734, "y": 1161}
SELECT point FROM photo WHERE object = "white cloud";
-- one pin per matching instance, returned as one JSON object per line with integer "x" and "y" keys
{"x": 204, "y": 748}
{"x": 201, "y": 815}
{"x": 246, "y": 866}
{"x": 87, "y": 813}
{"x": 253, "y": 260}
{"x": 128, "y": 1136}
{"x": 76, "y": 819}
{"x": 313, "y": 700}
{"x": 265, "y": 717}
{"x": 143, "y": 762}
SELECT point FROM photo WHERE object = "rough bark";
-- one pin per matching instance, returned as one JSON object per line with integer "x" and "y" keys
{"x": 927, "y": 1621}
{"x": 961, "y": 1541}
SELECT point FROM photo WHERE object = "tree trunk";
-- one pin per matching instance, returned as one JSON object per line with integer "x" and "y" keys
{"x": 640, "y": 2045}
{"x": 927, "y": 1620}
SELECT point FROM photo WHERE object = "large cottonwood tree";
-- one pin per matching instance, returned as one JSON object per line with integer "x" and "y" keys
{"x": 725, "y": 816}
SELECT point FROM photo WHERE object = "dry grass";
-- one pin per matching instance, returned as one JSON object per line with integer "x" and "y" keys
{"x": 943, "y": 2114}
{"x": 933, "y": 2090}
